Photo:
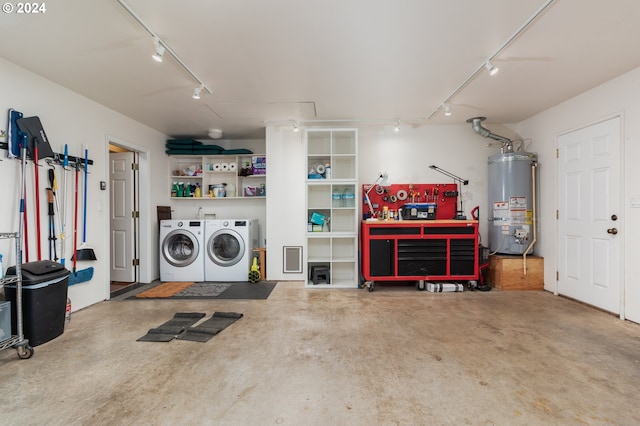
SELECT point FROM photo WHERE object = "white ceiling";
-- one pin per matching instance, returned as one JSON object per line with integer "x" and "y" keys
{"x": 317, "y": 61}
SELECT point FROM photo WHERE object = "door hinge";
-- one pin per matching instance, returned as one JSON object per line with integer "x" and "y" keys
{"x": 557, "y": 214}
{"x": 136, "y": 262}
{"x": 557, "y": 153}
{"x": 135, "y": 166}
{"x": 557, "y": 276}
{"x": 135, "y": 214}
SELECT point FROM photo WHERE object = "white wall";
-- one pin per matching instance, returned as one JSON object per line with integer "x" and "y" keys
{"x": 620, "y": 96}
{"x": 285, "y": 197}
{"x": 69, "y": 118}
{"x": 405, "y": 155}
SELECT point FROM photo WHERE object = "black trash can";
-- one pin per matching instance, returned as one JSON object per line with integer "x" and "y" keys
{"x": 44, "y": 300}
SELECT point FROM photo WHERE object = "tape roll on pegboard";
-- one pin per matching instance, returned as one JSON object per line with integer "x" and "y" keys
{"x": 320, "y": 168}
{"x": 393, "y": 198}
{"x": 232, "y": 167}
{"x": 379, "y": 190}
{"x": 224, "y": 167}
{"x": 402, "y": 195}
{"x": 216, "y": 167}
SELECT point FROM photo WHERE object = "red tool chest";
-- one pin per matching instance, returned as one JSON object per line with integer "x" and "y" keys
{"x": 422, "y": 250}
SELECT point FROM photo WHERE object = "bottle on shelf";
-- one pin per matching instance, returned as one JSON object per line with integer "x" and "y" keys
{"x": 348, "y": 197}
{"x": 336, "y": 198}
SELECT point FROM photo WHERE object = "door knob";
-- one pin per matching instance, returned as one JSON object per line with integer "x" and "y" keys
{"x": 614, "y": 217}
{"x": 613, "y": 231}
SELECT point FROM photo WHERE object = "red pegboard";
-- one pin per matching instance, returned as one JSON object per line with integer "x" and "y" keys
{"x": 445, "y": 195}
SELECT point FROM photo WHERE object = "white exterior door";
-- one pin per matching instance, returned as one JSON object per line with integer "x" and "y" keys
{"x": 122, "y": 221}
{"x": 589, "y": 225}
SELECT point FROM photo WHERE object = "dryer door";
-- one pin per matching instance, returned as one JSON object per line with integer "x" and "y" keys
{"x": 225, "y": 247}
{"x": 180, "y": 248}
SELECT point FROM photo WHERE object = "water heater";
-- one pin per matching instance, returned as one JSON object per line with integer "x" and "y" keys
{"x": 511, "y": 202}
{"x": 511, "y": 195}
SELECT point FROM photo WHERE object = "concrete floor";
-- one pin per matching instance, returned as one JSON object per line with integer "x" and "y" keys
{"x": 336, "y": 357}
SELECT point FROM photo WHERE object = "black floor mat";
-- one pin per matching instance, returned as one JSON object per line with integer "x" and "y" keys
{"x": 223, "y": 290}
{"x": 172, "y": 328}
{"x": 209, "y": 328}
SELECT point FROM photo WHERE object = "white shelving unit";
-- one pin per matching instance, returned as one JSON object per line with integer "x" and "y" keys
{"x": 335, "y": 243}
{"x": 217, "y": 171}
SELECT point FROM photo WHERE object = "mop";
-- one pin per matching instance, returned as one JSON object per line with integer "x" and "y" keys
{"x": 83, "y": 252}
{"x": 84, "y": 275}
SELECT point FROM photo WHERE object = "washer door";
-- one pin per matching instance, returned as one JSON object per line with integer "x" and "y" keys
{"x": 180, "y": 248}
{"x": 225, "y": 247}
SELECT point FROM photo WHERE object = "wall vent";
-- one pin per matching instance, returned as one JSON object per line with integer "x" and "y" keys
{"x": 292, "y": 260}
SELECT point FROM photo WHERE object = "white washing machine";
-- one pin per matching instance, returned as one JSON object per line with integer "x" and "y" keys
{"x": 229, "y": 248}
{"x": 182, "y": 250}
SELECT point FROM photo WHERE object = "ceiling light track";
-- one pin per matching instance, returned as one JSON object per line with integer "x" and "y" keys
{"x": 162, "y": 46}
{"x": 487, "y": 64}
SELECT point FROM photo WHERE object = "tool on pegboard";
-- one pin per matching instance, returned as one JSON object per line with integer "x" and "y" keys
{"x": 459, "y": 181}
{"x": 396, "y": 196}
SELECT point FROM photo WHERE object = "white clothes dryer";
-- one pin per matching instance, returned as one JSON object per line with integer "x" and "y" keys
{"x": 182, "y": 250}
{"x": 229, "y": 248}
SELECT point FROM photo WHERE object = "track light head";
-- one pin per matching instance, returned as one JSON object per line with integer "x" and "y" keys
{"x": 295, "y": 126}
{"x": 159, "y": 50}
{"x": 197, "y": 91}
{"x": 447, "y": 109}
{"x": 397, "y": 126}
{"x": 491, "y": 68}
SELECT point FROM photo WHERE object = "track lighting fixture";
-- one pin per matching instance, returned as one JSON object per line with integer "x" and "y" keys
{"x": 487, "y": 64}
{"x": 447, "y": 109}
{"x": 159, "y": 50}
{"x": 491, "y": 68}
{"x": 295, "y": 126}
{"x": 197, "y": 91}
{"x": 161, "y": 47}
{"x": 397, "y": 126}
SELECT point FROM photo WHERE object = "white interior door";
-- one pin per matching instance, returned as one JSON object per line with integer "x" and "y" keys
{"x": 589, "y": 247}
{"x": 122, "y": 221}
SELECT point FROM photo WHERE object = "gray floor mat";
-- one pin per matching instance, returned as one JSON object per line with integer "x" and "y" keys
{"x": 209, "y": 328}
{"x": 168, "y": 331}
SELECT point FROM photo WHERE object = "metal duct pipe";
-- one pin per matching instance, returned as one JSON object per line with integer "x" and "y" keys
{"x": 485, "y": 133}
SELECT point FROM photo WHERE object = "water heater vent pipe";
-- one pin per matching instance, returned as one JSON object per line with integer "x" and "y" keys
{"x": 507, "y": 144}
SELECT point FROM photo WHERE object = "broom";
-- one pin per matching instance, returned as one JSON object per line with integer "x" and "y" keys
{"x": 84, "y": 275}
{"x": 83, "y": 252}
